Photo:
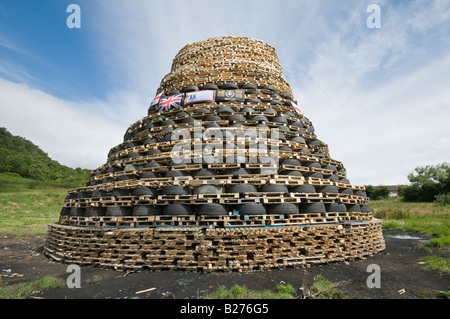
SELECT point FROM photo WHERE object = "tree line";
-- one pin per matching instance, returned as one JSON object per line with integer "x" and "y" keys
{"x": 430, "y": 183}
{"x": 19, "y": 155}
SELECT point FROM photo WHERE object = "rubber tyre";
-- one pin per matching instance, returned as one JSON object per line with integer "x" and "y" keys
{"x": 280, "y": 119}
{"x": 242, "y": 188}
{"x": 329, "y": 189}
{"x": 178, "y": 209}
{"x": 147, "y": 210}
{"x": 175, "y": 190}
{"x": 74, "y": 211}
{"x": 314, "y": 174}
{"x": 209, "y": 189}
{"x": 252, "y": 209}
{"x": 118, "y": 211}
{"x": 229, "y": 86}
{"x": 303, "y": 189}
{"x": 98, "y": 193}
{"x": 95, "y": 211}
{"x": 282, "y": 208}
{"x": 353, "y": 208}
{"x": 145, "y": 191}
{"x": 365, "y": 208}
{"x": 175, "y": 173}
{"x": 348, "y": 191}
{"x": 249, "y": 86}
{"x": 312, "y": 208}
{"x": 336, "y": 208}
{"x": 274, "y": 188}
{"x": 210, "y": 87}
{"x": 211, "y": 210}
{"x": 190, "y": 88}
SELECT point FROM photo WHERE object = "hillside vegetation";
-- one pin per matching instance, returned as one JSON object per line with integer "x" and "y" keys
{"x": 22, "y": 157}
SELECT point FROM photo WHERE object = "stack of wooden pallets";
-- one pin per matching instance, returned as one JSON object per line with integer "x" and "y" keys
{"x": 233, "y": 179}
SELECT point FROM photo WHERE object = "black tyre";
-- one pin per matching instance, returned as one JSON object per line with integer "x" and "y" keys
{"x": 252, "y": 100}
{"x": 303, "y": 189}
{"x": 330, "y": 167}
{"x": 175, "y": 190}
{"x": 147, "y": 210}
{"x": 202, "y": 110}
{"x": 259, "y": 118}
{"x": 276, "y": 102}
{"x": 314, "y": 165}
{"x": 242, "y": 188}
{"x": 282, "y": 208}
{"x": 247, "y": 110}
{"x": 312, "y": 208}
{"x": 224, "y": 109}
{"x": 314, "y": 174}
{"x": 252, "y": 209}
{"x": 348, "y": 191}
{"x": 175, "y": 173}
{"x": 149, "y": 175}
{"x": 211, "y": 209}
{"x": 190, "y": 88}
{"x": 354, "y": 208}
{"x": 118, "y": 211}
{"x": 178, "y": 209}
{"x": 75, "y": 211}
{"x": 120, "y": 192}
{"x": 208, "y": 189}
{"x": 274, "y": 188}
{"x": 298, "y": 124}
{"x": 98, "y": 193}
{"x": 173, "y": 92}
{"x": 280, "y": 119}
{"x": 329, "y": 189}
{"x": 291, "y": 173}
{"x": 291, "y": 161}
{"x": 95, "y": 211}
{"x": 365, "y": 208}
{"x": 269, "y": 88}
{"x": 210, "y": 87}
{"x": 153, "y": 151}
{"x": 358, "y": 192}
{"x": 229, "y": 86}
{"x": 236, "y": 117}
{"x": 237, "y": 172}
{"x": 298, "y": 139}
{"x": 335, "y": 208}
{"x": 213, "y": 118}
{"x": 143, "y": 190}
{"x": 249, "y": 86}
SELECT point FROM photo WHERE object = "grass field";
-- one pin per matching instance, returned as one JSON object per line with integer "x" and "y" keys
{"x": 27, "y": 206}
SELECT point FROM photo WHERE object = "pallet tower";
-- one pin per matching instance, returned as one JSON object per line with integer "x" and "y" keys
{"x": 224, "y": 173}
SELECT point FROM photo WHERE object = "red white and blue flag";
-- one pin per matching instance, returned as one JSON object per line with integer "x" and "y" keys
{"x": 170, "y": 102}
{"x": 200, "y": 96}
{"x": 156, "y": 100}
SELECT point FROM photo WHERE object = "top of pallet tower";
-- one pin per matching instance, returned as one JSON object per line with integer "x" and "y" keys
{"x": 223, "y": 60}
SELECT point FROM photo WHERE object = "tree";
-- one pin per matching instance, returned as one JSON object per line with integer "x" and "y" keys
{"x": 426, "y": 183}
{"x": 377, "y": 193}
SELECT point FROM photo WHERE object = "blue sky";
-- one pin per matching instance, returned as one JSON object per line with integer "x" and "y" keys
{"x": 378, "y": 97}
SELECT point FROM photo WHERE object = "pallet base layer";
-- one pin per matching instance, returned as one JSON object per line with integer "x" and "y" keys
{"x": 213, "y": 249}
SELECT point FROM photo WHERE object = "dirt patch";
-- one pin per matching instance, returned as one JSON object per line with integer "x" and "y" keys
{"x": 403, "y": 275}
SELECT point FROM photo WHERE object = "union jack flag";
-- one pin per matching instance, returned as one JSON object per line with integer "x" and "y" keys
{"x": 170, "y": 102}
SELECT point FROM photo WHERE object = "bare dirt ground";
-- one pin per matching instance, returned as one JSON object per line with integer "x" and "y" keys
{"x": 403, "y": 274}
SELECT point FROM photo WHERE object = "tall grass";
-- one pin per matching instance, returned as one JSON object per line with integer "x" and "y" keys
{"x": 426, "y": 218}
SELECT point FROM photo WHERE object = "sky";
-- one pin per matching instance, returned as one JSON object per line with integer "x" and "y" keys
{"x": 379, "y": 97}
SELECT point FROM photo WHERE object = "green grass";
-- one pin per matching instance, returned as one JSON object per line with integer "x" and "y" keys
{"x": 425, "y": 218}
{"x": 321, "y": 289}
{"x": 26, "y": 289}
{"x": 438, "y": 263}
{"x": 28, "y": 206}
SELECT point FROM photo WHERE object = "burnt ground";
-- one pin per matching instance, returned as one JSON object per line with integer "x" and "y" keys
{"x": 403, "y": 274}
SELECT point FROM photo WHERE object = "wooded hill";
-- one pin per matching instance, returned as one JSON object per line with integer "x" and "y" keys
{"x": 20, "y": 156}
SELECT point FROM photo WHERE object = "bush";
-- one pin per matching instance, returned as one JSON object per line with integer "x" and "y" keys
{"x": 377, "y": 193}
{"x": 442, "y": 199}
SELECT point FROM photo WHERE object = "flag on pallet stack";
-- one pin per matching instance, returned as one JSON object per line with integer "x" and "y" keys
{"x": 200, "y": 96}
{"x": 155, "y": 101}
{"x": 298, "y": 110}
{"x": 170, "y": 102}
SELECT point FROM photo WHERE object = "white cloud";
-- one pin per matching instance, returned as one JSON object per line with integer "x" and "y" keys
{"x": 70, "y": 133}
